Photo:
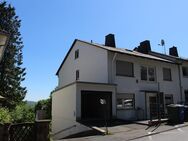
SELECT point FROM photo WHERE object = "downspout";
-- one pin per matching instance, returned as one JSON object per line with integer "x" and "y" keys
{"x": 112, "y": 75}
{"x": 180, "y": 82}
{"x": 112, "y": 80}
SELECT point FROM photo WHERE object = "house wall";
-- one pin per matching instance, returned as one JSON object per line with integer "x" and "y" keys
{"x": 92, "y": 65}
{"x": 64, "y": 113}
{"x": 135, "y": 85}
{"x": 95, "y": 87}
{"x": 184, "y": 80}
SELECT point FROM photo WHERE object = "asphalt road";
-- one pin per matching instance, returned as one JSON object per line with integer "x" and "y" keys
{"x": 180, "y": 134}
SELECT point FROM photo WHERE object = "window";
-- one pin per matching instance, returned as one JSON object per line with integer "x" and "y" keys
{"x": 77, "y": 75}
{"x": 168, "y": 99}
{"x": 143, "y": 73}
{"x": 148, "y": 73}
{"x": 125, "y": 101}
{"x": 185, "y": 71}
{"x": 186, "y": 97}
{"x": 76, "y": 55}
{"x": 167, "y": 74}
{"x": 151, "y": 74}
{"x": 124, "y": 69}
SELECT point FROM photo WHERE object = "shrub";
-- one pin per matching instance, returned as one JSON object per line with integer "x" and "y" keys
{"x": 23, "y": 113}
{"x": 5, "y": 116}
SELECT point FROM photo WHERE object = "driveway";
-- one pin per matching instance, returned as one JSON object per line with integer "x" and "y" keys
{"x": 173, "y": 135}
{"x": 134, "y": 132}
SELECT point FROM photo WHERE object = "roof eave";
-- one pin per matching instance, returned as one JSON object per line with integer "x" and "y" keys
{"x": 66, "y": 56}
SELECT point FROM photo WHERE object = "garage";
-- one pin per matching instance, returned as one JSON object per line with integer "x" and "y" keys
{"x": 91, "y": 107}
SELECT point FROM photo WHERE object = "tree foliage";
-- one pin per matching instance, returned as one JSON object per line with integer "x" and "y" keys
{"x": 23, "y": 113}
{"x": 45, "y": 104}
{"x": 5, "y": 116}
{"x": 11, "y": 71}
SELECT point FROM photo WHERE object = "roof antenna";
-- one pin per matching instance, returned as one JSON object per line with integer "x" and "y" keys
{"x": 163, "y": 45}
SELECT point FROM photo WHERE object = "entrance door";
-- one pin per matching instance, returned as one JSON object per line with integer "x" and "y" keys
{"x": 152, "y": 105}
{"x": 91, "y": 108}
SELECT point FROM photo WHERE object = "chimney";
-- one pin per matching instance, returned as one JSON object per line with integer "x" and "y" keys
{"x": 110, "y": 40}
{"x": 144, "y": 47}
{"x": 173, "y": 51}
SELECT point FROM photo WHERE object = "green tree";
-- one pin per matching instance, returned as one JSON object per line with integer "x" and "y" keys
{"x": 11, "y": 71}
{"x": 23, "y": 113}
{"x": 5, "y": 116}
{"x": 45, "y": 104}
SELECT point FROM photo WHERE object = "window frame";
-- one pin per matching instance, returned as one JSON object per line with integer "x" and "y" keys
{"x": 125, "y": 75}
{"x": 125, "y": 96}
{"x": 170, "y": 74}
{"x": 76, "y": 54}
{"x": 148, "y": 76}
{"x": 185, "y": 67}
{"x": 77, "y": 74}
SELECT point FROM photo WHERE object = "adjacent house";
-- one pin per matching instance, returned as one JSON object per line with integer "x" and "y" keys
{"x": 97, "y": 81}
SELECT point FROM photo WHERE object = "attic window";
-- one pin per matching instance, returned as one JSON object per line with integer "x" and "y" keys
{"x": 76, "y": 55}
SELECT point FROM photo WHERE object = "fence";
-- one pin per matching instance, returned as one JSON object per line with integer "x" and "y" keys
{"x": 38, "y": 131}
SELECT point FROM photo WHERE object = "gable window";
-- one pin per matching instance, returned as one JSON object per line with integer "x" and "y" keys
{"x": 77, "y": 75}
{"x": 148, "y": 73}
{"x": 185, "y": 71}
{"x": 125, "y": 101}
{"x": 124, "y": 68}
{"x": 76, "y": 55}
{"x": 167, "y": 74}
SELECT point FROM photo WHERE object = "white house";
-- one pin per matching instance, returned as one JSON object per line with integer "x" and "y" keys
{"x": 136, "y": 84}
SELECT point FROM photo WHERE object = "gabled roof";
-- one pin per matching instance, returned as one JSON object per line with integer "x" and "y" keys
{"x": 169, "y": 57}
{"x": 132, "y": 53}
{"x": 118, "y": 50}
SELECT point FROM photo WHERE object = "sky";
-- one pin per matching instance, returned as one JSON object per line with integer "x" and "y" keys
{"x": 49, "y": 27}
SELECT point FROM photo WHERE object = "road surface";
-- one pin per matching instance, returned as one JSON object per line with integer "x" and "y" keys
{"x": 180, "y": 134}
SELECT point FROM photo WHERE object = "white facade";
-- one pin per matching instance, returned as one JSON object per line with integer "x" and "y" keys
{"x": 96, "y": 66}
{"x": 134, "y": 85}
{"x": 64, "y": 113}
{"x": 92, "y": 65}
{"x": 184, "y": 80}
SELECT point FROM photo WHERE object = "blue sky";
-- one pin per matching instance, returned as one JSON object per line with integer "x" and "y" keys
{"x": 49, "y": 28}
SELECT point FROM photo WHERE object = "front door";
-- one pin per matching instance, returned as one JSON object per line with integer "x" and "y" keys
{"x": 152, "y": 105}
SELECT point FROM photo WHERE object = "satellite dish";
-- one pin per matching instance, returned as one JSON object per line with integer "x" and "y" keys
{"x": 163, "y": 45}
{"x": 162, "y": 42}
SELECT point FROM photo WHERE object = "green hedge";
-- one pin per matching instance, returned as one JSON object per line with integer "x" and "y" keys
{"x": 21, "y": 113}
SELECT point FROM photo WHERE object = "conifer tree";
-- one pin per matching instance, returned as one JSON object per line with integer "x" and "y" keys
{"x": 11, "y": 71}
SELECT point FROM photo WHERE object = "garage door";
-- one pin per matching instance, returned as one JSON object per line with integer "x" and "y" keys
{"x": 92, "y": 108}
